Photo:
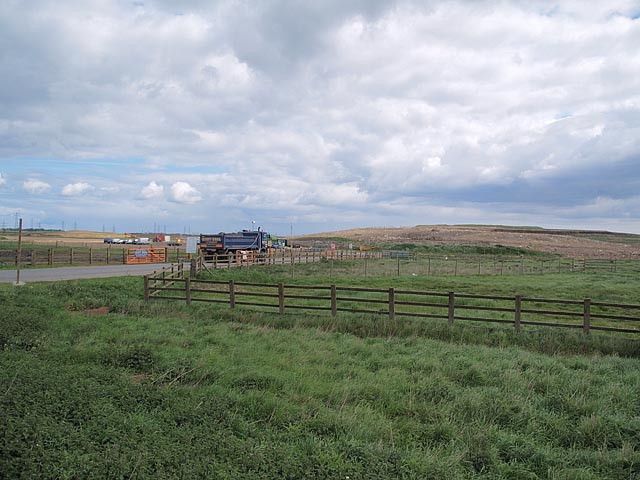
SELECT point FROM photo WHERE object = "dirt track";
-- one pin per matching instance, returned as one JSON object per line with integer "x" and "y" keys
{"x": 572, "y": 243}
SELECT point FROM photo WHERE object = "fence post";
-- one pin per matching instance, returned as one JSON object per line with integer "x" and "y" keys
{"x": 33, "y": 258}
{"x": 451, "y": 308}
{"x": 71, "y": 255}
{"x": 146, "y": 288}
{"x": 192, "y": 269}
{"x": 586, "y": 325}
{"x": 50, "y": 257}
{"x": 292, "y": 261}
{"x": 334, "y": 301}
{"x": 232, "y": 295}
{"x": 392, "y": 304}
{"x": 518, "y": 312}
{"x": 108, "y": 251}
{"x": 90, "y": 255}
{"x": 187, "y": 290}
{"x": 281, "y": 297}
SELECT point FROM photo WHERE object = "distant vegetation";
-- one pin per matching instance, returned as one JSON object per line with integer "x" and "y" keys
{"x": 451, "y": 249}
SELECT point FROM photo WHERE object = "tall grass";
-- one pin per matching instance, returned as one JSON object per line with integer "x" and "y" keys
{"x": 163, "y": 390}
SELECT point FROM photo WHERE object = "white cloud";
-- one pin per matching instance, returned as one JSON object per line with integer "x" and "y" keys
{"x": 335, "y": 109}
{"x": 182, "y": 192}
{"x": 2, "y": 180}
{"x": 152, "y": 190}
{"x": 75, "y": 189}
{"x": 36, "y": 187}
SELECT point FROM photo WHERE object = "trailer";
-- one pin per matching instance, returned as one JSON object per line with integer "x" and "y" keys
{"x": 253, "y": 240}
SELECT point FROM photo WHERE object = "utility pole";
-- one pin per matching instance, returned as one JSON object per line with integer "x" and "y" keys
{"x": 19, "y": 255}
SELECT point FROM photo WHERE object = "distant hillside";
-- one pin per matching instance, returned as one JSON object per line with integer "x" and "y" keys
{"x": 573, "y": 243}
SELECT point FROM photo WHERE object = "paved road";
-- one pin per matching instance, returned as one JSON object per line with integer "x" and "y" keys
{"x": 76, "y": 273}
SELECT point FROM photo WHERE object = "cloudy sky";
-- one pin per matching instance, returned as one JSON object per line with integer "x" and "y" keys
{"x": 319, "y": 115}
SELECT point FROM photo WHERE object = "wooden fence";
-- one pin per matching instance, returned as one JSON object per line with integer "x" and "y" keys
{"x": 282, "y": 257}
{"x": 518, "y": 310}
{"x": 368, "y": 263}
{"x": 387, "y": 263}
{"x": 38, "y": 257}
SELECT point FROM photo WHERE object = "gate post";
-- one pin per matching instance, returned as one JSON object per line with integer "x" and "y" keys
{"x": 451, "y": 308}
{"x": 334, "y": 301}
{"x": 187, "y": 290}
{"x": 586, "y": 324}
{"x": 281, "y": 298}
{"x": 232, "y": 295}
{"x": 392, "y": 304}
{"x": 146, "y": 288}
{"x": 518, "y": 312}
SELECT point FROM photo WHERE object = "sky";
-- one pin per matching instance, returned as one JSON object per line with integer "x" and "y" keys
{"x": 310, "y": 116}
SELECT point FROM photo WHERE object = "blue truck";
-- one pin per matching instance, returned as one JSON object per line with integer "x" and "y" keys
{"x": 256, "y": 240}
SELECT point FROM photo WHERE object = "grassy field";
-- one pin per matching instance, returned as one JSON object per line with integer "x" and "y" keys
{"x": 621, "y": 286}
{"x": 163, "y": 390}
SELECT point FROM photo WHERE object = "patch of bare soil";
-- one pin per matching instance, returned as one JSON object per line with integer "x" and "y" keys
{"x": 140, "y": 377}
{"x": 571, "y": 243}
{"x": 96, "y": 311}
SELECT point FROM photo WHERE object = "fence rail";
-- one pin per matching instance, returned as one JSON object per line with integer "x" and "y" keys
{"x": 39, "y": 257}
{"x": 386, "y": 264}
{"x": 518, "y": 311}
{"x": 368, "y": 263}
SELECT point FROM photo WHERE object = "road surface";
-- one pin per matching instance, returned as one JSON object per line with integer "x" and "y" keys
{"x": 77, "y": 273}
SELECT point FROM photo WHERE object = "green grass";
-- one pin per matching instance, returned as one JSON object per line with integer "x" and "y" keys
{"x": 163, "y": 390}
{"x": 622, "y": 286}
{"x": 449, "y": 249}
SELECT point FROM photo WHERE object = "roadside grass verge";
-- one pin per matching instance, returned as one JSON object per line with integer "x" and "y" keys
{"x": 163, "y": 390}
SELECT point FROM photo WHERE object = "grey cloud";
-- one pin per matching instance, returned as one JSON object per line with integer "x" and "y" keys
{"x": 350, "y": 106}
